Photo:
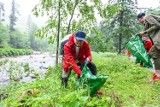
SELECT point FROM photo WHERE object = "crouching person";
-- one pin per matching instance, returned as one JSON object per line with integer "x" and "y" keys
{"x": 76, "y": 53}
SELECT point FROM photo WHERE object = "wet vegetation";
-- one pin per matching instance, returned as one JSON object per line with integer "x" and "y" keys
{"x": 14, "y": 52}
{"x": 127, "y": 85}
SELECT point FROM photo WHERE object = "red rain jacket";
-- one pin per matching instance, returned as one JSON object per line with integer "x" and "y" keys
{"x": 69, "y": 58}
{"x": 147, "y": 44}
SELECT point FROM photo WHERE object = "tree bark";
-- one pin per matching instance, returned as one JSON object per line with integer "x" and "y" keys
{"x": 69, "y": 24}
{"x": 120, "y": 35}
{"x": 59, "y": 20}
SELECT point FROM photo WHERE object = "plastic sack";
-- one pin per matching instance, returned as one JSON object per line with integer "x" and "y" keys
{"x": 94, "y": 82}
{"x": 136, "y": 47}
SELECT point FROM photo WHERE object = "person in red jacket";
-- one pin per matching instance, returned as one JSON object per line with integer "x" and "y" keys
{"x": 147, "y": 44}
{"x": 76, "y": 53}
{"x": 127, "y": 52}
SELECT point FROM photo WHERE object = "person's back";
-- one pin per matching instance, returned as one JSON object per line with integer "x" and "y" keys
{"x": 157, "y": 17}
{"x": 152, "y": 27}
{"x": 63, "y": 42}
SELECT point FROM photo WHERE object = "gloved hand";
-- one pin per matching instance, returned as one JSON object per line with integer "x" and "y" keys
{"x": 141, "y": 33}
{"x": 87, "y": 61}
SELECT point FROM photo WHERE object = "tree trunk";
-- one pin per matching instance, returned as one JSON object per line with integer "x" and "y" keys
{"x": 59, "y": 20}
{"x": 69, "y": 24}
{"x": 0, "y": 15}
{"x": 120, "y": 42}
{"x": 120, "y": 35}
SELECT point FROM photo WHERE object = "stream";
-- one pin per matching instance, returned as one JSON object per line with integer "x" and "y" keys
{"x": 25, "y": 68}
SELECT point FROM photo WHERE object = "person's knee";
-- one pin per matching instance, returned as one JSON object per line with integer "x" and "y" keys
{"x": 92, "y": 68}
{"x": 154, "y": 52}
{"x": 157, "y": 63}
{"x": 66, "y": 73}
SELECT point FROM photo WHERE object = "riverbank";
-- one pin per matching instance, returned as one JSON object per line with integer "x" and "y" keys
{"x": 128, "y": 85}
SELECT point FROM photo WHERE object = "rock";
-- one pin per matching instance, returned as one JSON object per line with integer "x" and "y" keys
{"x": 42, "y": 67}
{"x": 3, "y": 96}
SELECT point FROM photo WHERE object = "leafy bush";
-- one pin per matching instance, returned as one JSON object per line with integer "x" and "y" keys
{"x": 14, "y": 52}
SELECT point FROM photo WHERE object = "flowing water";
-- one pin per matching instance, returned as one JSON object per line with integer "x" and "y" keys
{"x": 37, "y": 63}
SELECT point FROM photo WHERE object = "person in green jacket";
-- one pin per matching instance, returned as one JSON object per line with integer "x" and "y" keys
{"x": 152, "y": 27}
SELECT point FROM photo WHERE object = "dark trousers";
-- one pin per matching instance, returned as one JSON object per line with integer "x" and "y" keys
{"x": 91, "y": 66}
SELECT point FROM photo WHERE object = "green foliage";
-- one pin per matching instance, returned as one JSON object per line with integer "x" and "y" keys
{"x": 127, "y": 85}
{"x": 4, "y": 36}
{"x": 13, "y": 17}
{"x": 153, "y": 11}
{"x": 84, "y": 18}
{"x": 102, "y": 43}
{"x": 120, "y": 26}
{"x": 26, "y": 67}
{"x": 3, "y": 62}
{"x": 14, "y": 52}
{"x": 19, "y": 40}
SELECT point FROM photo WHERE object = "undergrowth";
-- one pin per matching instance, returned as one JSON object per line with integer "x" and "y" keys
{"x": 128, "y": 85}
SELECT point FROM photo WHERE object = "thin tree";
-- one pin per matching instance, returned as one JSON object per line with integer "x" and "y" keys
{"x": 1, "y": 11}
{"x": 13, "y": 19}
{"x": 58, "y": 33}
{"x": 123, "y": 24}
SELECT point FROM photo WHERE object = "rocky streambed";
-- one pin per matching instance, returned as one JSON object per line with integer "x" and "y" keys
{"x": 25, "y": 68}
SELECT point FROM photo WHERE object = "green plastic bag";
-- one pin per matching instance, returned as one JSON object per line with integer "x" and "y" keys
{"x": 136, "y": 47}
{"x": 94, "y": 82}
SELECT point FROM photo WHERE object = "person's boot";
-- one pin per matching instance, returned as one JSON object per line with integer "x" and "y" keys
{"x": 99, "y": 92}
{"x": 155, "y": 78}
{"x": 64, "y": 82}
